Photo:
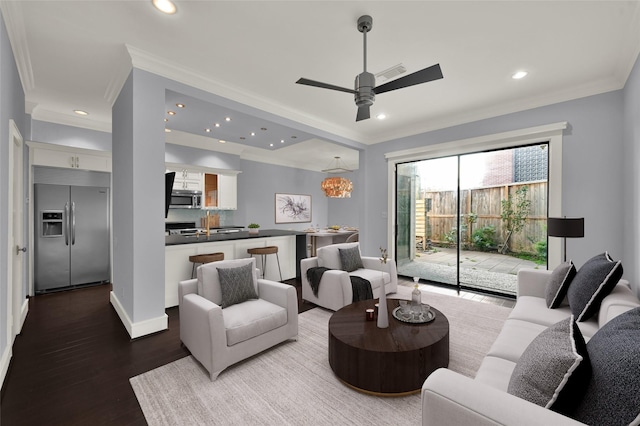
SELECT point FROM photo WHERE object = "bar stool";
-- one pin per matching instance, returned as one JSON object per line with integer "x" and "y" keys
{"x": 264, "y": 251}
{"x": 204, "y": 258}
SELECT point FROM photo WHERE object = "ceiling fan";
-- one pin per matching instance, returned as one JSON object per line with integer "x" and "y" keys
{"x": 365, "y": 86}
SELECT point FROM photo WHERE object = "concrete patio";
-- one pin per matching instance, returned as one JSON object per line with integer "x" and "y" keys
{"x": 482, "y": 270}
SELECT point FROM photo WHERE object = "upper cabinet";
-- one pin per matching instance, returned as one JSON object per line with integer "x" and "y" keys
{"x": 186, "y": 179}
{"x": 68, "y": 157}
{"x": 220, "y": 191}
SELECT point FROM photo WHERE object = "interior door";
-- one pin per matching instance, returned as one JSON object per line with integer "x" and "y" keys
{"x": 17, "y": 246}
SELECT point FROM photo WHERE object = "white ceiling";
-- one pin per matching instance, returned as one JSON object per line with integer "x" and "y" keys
{"x": 75, "y": 55}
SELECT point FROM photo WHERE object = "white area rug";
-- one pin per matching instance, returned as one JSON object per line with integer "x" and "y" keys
{"x": 293, "y": 384}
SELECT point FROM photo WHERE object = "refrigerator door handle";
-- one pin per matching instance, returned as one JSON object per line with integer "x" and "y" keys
{"x": 73, "y": 223}
{"x": 66, "y": 223}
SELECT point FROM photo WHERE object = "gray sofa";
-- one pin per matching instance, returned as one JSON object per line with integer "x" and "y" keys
{"x": 449, "y": 398}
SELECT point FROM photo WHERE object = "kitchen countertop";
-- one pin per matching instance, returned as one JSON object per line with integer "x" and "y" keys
{"x": 173, "y": 240}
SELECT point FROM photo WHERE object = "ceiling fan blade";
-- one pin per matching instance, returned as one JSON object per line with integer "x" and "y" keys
{"x": 321, "y": 85}
{"x": 363, "y": 113}
{"x": 423, "y": 76}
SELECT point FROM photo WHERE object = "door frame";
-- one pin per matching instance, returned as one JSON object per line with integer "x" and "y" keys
{"x": 551, "y": 133}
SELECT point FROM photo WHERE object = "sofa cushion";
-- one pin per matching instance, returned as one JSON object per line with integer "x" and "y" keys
{"x": 613, "y": 394}
{"x": 209, "y": 281}
{"x": 534, "y": 309}
{"x": 350, "y": 259}
{"x": 554, "y": 369}
{"x": 236, "y": 285}
{"x": 514, "y": 338}
{"x": 252, "y": 318}
{"x": 329, "y": 257}
{"x": 593, "y": 281}
{"x": 376, "y": 278}
{"x": 495, "y": 372}
{"x": 558, "y": 284}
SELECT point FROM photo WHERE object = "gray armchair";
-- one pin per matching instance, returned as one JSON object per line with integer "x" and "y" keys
{"x": 219, "y": 337}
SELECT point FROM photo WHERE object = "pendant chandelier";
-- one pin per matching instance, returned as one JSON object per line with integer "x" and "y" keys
{"x": 337, "y": 187}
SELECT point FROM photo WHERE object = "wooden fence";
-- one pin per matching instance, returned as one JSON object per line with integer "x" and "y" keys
{"x": 436, "y": 215}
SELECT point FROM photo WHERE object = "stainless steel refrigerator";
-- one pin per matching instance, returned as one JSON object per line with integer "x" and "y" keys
{"x": 72, "y": 236}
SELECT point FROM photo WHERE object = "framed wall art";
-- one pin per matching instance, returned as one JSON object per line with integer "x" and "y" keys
{"x": 293, "y": 208}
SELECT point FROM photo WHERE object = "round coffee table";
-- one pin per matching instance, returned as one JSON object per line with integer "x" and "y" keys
{"x": 393, "y": 360}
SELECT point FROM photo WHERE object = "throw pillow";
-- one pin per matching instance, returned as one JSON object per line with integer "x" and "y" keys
{"x": 558, "y": 284}
{"x": 554, "y": 369}
{"x": 350, "y": 259}
{"x": 593, "y": 281}
{"x": 613, "y": 394}
{"x": 236, "y": 285}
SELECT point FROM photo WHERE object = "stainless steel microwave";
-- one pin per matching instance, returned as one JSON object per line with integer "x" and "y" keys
{"x": 185, "y": 199}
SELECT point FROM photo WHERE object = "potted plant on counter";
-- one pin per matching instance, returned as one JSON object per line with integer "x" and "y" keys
{"x": 253, "y": 228}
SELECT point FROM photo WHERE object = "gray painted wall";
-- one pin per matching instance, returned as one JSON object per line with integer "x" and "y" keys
{"x": 259, "y": 182}
{"x": 59, "y": 134}
{"x": 11, "y": 107}
{"x": 631, "y": 177}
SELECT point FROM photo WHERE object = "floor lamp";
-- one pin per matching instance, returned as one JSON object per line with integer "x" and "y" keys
{"x": 565, "y": 227}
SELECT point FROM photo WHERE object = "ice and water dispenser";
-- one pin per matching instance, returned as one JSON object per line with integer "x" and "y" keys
{"x": 51, "y": 223}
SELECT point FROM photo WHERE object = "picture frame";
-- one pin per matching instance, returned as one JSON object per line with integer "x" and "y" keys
{"x": 292, "y": 208}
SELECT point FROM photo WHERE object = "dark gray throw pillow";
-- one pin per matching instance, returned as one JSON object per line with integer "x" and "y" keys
{"x": 592, "y": 283}
{"x": 613, "y": 394}
{"x": 236, "y": 285}
{"x": 554, "y": 369}
{"x": 350, "y": 259}
{"x": 558, "y": 284}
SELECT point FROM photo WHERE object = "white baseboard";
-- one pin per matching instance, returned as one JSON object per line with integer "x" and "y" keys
{"x": 141, "y": 328}
{"x": 23, "y": 314}
{"x": 4, "y": 362}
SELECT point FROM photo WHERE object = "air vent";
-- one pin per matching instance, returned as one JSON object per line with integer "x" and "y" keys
{"x": 392, "y": 72}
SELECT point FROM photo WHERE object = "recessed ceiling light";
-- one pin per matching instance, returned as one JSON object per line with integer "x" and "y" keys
{"x": 217, "y": 124}
{"x": 165, "y": 6}
{"x": 180, "y": 105}
{"x": 207, "y": 130}
{"x": 381, "y": 116}
{"x": 221, "y": 141}
{"x": 167, "y": 130}
{"x": 166, "y": 120}
{"x": 227, "y": 119}
{"x": 270, "y": 144}
{"x": 281, "y": 140}
{"x": 80, "y": 112}
{"x": 253, "y": 133}
{"x": 171, "y": 112}
{"x": 519, "y": 75}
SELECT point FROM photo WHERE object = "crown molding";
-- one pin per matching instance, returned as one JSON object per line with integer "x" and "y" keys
{"x": 13, "y": 19}
{"x": 114, "y": 86}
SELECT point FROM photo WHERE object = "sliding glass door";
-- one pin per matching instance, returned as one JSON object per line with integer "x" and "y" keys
{"x": 473, "y": 220}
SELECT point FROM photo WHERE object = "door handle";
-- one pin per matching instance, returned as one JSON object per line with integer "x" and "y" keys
{"x": 73, "y": 223}
{"x": 66, "y": 223}
{"x": 20, "y": 249}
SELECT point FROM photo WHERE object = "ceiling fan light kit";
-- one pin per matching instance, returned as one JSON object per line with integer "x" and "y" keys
{"x": 365, "y": 85}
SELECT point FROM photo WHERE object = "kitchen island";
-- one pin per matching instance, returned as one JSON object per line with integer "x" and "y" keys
{"x": 292, "y": 248}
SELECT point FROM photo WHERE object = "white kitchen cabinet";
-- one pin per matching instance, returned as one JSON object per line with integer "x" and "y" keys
{"x": 69, "y": 158}
{"x": 220, "y": 191}
{"x": 187, "y": 179}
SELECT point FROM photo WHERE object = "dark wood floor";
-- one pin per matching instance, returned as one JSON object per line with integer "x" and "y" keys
{"x": 72, "y": 362}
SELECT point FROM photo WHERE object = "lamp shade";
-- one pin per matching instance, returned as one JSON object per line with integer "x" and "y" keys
{"x": 567, "y": 227}
{"x": 337, "y": 187}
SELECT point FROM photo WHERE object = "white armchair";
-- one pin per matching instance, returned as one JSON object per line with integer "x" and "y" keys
{"x": 335, "y": 291}
{"x": 219, "y": 337}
